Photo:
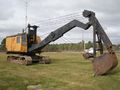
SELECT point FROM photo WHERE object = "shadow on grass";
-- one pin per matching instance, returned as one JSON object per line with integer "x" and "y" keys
{"x": 112, "y": 73}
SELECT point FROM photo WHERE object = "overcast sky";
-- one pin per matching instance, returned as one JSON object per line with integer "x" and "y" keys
{"x": 51, "y": 14}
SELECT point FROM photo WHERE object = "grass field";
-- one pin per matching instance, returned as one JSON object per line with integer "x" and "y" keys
{"x": 68, "y": 71}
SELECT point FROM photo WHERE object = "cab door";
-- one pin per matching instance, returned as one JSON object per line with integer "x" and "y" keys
{"x": 24, "y": 43}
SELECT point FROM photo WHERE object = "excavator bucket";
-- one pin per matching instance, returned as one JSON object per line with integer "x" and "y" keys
{"x": 107, "y": 61}
{"x": 104, "y": 63}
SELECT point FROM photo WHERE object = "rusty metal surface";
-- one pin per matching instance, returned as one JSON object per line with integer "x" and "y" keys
{"x": 44, "y": 60}
{"x": 88, "y": 55}
{"x": 20, "y": 60}
{"x": 28, "y": 60}
{"x": 41, "y": 59}
{"x": 104, "y": 63}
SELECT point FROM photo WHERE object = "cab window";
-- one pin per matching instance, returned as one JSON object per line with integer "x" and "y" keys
{"x": 18, "y": 39}
{"x": 24, "y": 39}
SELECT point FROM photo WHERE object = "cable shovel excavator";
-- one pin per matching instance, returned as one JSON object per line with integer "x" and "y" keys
{"x": 23, "y": 48}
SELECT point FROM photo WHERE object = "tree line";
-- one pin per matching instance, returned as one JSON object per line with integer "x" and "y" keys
{"x": 65, "y": 46}
{"x": 68, "y": 47}
{"x": 78, "y": 47}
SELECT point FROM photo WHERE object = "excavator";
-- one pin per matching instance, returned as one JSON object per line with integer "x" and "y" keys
{"x": 24, "y": 48}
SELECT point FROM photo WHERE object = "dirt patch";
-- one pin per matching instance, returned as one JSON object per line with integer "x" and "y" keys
{"x": 34, "y": 87}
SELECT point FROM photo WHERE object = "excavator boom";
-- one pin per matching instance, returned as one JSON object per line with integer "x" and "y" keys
{"x": 57, "y": 34}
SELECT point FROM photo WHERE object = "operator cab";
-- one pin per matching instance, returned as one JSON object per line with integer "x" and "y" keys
{"x": 17, "y": 43}
{"x": 20, "y": 43}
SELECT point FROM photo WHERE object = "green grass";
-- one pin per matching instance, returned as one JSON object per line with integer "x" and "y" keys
{"x": 68, "y": 71}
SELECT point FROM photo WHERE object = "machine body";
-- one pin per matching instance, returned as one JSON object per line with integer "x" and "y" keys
{"x": 27, "y": 45}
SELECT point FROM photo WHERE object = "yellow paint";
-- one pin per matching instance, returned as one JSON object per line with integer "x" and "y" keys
{"x": 13, "y": 46}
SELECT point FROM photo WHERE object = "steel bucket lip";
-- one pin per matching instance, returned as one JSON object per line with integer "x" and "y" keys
{"x": 104, "y": 64}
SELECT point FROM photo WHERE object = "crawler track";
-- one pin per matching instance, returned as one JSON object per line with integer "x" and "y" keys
{"x": 28, "y": 60}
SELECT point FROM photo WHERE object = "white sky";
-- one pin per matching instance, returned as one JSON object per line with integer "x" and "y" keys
{"x": 40, "y": 12}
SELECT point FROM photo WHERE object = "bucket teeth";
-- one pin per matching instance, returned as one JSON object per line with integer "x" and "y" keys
{"x": 104, "y": 63}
